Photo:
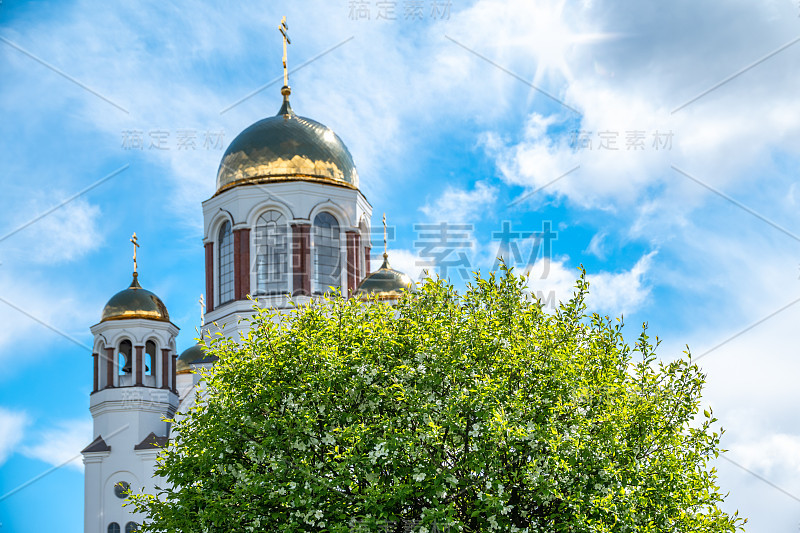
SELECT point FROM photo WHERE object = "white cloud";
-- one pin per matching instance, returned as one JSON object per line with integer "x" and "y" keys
{"x": 752, "y": 386}
{"x": 67, "y": 311}
{"x": 726, "y": 139}
{"x": 777, "y": 453}
{"x": 458, "y": 205}
{"x": 12, "y": 429}
{"x": 406, "y": 261}
{"x": 612, "y": 293}
{"x": 596, "y": 245}
{"x": 66, "y": 234}
{"x": 620, "y": 292}
{"x": 61, "y": 444}
{"x": 552, "y": 281}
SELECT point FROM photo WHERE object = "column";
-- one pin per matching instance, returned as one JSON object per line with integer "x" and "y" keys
{"x": 95, "y": 372}
{"x": 301, "y": 259}
{"x": 138, "y": 364}
{"x": 109, "y": 367}
{"x": 165, "y": 368}
{"x": 241, "y": 263}
{"x": 352, "y": 262}
{"x": 209, "y": 276}
{"x": 174, "y": 373}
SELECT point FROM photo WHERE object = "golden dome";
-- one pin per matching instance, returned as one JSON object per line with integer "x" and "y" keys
{"x": 195, "y": 354}
{"x": 286, "y": 147}
{"x": 135, "y": 302}
{"x": 385, "y": 283}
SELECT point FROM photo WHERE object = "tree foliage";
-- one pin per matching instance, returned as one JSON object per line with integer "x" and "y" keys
{"x": 458, "y": 412}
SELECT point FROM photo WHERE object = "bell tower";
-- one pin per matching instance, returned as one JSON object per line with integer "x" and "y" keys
{"x": 134, "y": 390}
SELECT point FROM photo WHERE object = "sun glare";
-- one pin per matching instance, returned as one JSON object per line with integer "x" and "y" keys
{"x": 550, "y": 39}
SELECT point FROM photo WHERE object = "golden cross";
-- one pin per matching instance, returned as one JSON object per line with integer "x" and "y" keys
{"x": 135, "y": 241}
{"x": 202, "y": 302}
{"x": 384, "y": 235}
{"x": 283, "y": 29}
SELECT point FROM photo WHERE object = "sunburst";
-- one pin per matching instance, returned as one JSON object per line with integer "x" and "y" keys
{"x": 550, "y": 38}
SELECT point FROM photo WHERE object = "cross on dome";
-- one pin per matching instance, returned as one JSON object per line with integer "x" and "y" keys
{"x": 135, "y": 241}
{"x": 283, "y": 28}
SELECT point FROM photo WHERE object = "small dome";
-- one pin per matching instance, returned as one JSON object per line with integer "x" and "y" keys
{"x": 135, "y": 302}
{"x": 385, "y": 283}
{"x": 195, "y": 354}
{"x": 283, "y": 148}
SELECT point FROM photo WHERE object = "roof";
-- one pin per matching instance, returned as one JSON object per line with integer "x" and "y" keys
{"x": 194, "y": 354}
{"x": 97, "y": 445}
{"x": 135, "y": 302}
{"x": 152, "y": 442}
{"x": 385, "y": 283}
{"x": 286, "y": 147}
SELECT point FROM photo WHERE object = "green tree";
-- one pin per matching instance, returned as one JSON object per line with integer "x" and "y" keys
{"x": 462, "y": 412}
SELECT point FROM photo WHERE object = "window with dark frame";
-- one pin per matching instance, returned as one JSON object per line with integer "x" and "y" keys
{"x": 225, "y": 263}
{"x": 327, "y": 253}
{"x": 272, "y": 254}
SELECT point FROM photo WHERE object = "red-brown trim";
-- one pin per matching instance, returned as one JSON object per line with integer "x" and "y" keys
{"x": 139, "y": 364}
{"x": 237, "y": 260}
{"x": 109, "y": 368}
{"x": 95, "y": 372}
{"x": 174, "y": 373}
{"x": 301, "y": 260}
{"x": 352, "y": 266}
{"x": 357, "y": 266}
{"x": 209, "y": 276}
{"x": 164, "y": 368}
{"x": 367, "y": 266}
{"x": 241, "y": 263}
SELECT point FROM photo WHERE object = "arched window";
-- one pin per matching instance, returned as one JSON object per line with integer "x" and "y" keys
{"x": 272, "y": 254}
{"x": 130, "y": 527}
{"x": 149, "y": 357}
{"x": 124, "y": 359}
{"x": 225, "y": 270}
{"x": 113, "y": 527}
{"x": 327, "y": 254}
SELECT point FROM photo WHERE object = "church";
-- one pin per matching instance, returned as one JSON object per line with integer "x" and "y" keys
{"x": 286, "y": 224}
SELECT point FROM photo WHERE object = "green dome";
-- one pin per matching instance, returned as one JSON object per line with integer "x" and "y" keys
{"x": 386, "y": 283}
{"x": 286, "y": 147}
{"x": 135, "y": 302}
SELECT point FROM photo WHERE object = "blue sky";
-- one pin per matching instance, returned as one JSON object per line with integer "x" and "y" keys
{"x": 450, "y": 116}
